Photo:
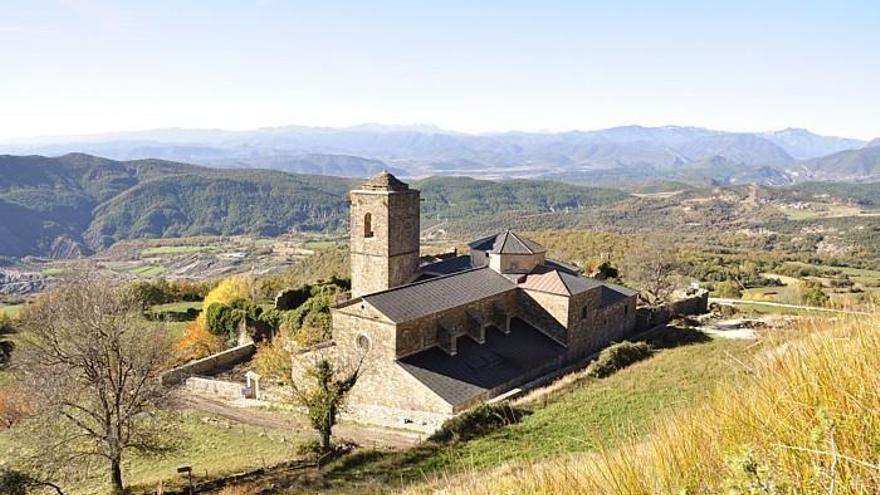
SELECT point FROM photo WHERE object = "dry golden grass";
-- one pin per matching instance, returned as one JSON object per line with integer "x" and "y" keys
{"x": 806, "y": 419}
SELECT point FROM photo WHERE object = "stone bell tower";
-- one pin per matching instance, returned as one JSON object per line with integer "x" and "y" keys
{"x": 385, "y": 229}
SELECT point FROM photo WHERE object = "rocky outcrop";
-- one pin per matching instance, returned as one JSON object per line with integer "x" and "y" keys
{"x": 19, "y": 283}
{"x": 64, "y": 247}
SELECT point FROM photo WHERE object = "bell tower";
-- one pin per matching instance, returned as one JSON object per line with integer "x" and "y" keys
{"x": 385, "y": 228}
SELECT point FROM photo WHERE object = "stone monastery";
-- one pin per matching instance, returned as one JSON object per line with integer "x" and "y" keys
{"x": 437, "y": 338}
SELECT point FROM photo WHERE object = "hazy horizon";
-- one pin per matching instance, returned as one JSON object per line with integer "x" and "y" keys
{"x": 83, "y": 67}
{"x": 420, "y": 126}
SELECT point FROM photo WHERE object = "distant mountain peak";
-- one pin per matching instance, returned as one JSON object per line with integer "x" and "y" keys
{"x": 873, "y": 144}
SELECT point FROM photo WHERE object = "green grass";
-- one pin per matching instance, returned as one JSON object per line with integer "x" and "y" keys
{"x": 176, "y": 329}
{"x": 211, "y": 448}
{"x": 10, "y": 309}
{"x": 761, "y": 308}
{"x": 592, "y": 412}
{"x": 176, "y": 307}
{"x": 147, "y": 270}
{"x": 159, "y": 250}
{"x": 50, "y": 271}
{"x": 319, "y": 244}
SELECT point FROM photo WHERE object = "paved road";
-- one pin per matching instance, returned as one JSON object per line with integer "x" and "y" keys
{"x": 734, "y": 302}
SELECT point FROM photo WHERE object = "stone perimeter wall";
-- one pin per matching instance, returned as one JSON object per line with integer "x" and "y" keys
{"x": 691, "y": 305}
{"x": 209, "y": 365}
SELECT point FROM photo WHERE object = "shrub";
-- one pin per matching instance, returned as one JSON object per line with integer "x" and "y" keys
{"x": 617, "y": 357}
{"x": 198, "y": 342}
{"x": 273, "y": 359}
{"x": 6, "y": 325}
{"x": 813, "y": 295}
{"x": 477, "y": 422}
{"x": 223, "y": 321}
{"x": 728, "y": 289}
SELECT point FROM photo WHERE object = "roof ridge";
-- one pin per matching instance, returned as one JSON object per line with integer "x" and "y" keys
{"x": 562, "y": 279}
{"x": 521, "y": 241}
{"x": 420, "y": 282}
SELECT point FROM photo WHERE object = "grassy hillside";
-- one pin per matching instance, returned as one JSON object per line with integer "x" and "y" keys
{"x": 79, "y": 203}
{"x": 459, "y": 197}
{"x": 803, "y": 419}
{"x": 577, "y": 416}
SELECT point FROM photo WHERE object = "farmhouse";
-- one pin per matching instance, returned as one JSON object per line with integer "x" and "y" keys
{"x": 436, "y": 338}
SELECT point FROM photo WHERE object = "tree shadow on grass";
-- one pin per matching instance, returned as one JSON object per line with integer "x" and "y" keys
{"x": 670, "y": 336}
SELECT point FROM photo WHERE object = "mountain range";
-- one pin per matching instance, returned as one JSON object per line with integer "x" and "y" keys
{"x": 611, "y": 156}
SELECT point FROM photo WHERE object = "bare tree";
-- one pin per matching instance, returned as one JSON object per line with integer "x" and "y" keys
{"x": 92, "y": 361}
{"x": 649, "y": 266}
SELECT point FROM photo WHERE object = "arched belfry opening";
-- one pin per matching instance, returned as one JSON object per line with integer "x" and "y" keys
{"x": 368, "y": 225}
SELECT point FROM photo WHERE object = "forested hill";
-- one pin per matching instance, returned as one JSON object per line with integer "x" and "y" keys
{"x": 79, "y": 203}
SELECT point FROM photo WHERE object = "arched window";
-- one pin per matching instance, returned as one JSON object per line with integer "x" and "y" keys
{"x": 368, "y": 225}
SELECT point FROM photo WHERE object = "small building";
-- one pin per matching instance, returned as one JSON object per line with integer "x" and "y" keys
{"x": 440, "y": 337}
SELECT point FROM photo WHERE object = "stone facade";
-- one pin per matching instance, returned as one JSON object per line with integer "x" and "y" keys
{"x": 384, "y": 240}
{"x": 404, "y": 334}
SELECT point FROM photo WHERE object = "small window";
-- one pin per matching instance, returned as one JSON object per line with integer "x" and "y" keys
{"x": 368, "y": 225}
{"x": 584, "y": 313}
{"x": 626, "y": 309}
{"x": 363, "y": 342}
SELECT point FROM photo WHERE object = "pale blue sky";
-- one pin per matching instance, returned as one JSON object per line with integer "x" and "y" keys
{"x": 81, "y": 66}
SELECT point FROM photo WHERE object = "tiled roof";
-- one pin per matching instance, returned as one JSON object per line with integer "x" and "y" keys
{"x": 385, "y": 182}
{"x": 512, "y": 243}
{"x": 477, "y": 368}
{"x": 559, "y": 282}
{"x": 418, "y": 299}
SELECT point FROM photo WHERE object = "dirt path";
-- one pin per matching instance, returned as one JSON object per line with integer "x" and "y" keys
{"x": 360, "y": 434}
{"x": 744, "y": 302}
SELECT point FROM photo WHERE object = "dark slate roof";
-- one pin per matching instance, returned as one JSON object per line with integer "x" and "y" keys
{"x": 385, "y": 182}
{"x": 577, "y": 284}
{"x": 483, "y": 244}
{"x": 612, "y": 294}
{"x": 449, "y": 265}
{"x": 558, "y": 265}
{"x": 418, "y": 299}
{"x": 477, "y": 368}
{"x": 512, "y": 243}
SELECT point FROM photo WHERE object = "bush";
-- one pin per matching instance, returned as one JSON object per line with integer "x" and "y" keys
{"x": 813, "y": 295}
{"x": 6, "y": 325}
{"x": 617, "y": 357}
{"x": 198, "y": 342}
{"x": 223, "y": 321}
{"x": 728, "y": 289}
{"x": 477, "y": 422}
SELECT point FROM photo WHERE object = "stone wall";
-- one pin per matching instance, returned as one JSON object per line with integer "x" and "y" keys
{"x": 423, "y": 333}
{"x": 210, "y": 365}
{"x": 383, "y": 383}
{"x": 600, "y": 325}
{"x": 515, "y": 263}
{"x": 219, "y": 389}
{"x": 389, "y": 257}
{"x": 545, "y": 311}
{"x": 694, "y": 304}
